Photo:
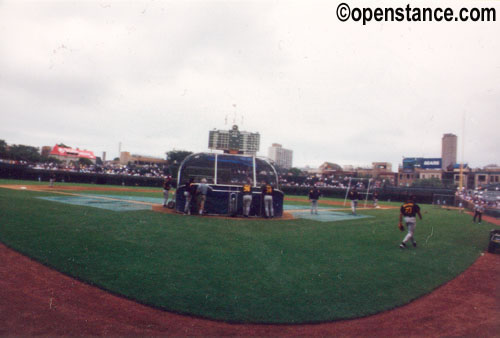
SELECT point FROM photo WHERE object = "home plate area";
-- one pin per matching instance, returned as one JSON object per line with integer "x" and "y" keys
{"x": 100, "y": 202}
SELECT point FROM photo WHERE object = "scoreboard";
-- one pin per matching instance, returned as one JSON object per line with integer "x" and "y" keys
{"x": 234, "y": 141}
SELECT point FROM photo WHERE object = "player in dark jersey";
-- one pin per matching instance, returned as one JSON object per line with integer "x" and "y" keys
{"x": 52, "y": 180}
{"x": 167, "y": 185}
{"x": 189, "y": 193}
{"x": 354, "y": 197}
{"x": 375, "y": 199}
{"x": 409, "y": 210}
{"x": 314, "y": 195}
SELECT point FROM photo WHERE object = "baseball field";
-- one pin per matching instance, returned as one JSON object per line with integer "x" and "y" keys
{"x": 293, "y": 270}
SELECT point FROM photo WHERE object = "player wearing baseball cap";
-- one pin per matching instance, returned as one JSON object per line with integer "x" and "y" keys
{"x": 408, "y": 211}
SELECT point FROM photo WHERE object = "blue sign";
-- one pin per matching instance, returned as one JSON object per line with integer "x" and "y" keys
{"x": 422, "y": 163}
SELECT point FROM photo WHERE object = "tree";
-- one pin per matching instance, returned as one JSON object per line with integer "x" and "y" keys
{"x": 295, "y": 171}
{"x": 280, "y": 170}
{"x": 175, "y": 158}
{"x": 84, "y": 161}
{"x": 19, "y": 152}
{"x": 48, "y": 159}
{"x": 3, "y": 149}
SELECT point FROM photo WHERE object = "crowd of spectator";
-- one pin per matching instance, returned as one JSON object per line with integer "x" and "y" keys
{"x": 488, "y": 198}
{"x": 149, "y": 170}
{"x": 155, "y": 170}
{"x": 328, "y": 181}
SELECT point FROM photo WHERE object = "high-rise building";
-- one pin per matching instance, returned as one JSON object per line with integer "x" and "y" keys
{"x": 282, "y": 157}
{"x": 234, "y": 141}
{"x": 449, "y": 150}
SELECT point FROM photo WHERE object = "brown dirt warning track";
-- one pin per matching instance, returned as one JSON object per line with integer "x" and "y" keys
{"x": 37, "y": 300}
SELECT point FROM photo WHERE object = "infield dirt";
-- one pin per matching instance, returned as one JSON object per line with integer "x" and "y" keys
{"x": 36, "y": 300}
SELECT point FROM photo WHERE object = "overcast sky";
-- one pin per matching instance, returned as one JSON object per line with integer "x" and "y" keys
{"x": 158, "y": 75}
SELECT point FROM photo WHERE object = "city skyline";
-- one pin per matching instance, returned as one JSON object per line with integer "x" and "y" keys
{"x": 436, "y": 161}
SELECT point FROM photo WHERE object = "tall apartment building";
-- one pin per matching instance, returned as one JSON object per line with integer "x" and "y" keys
{"x": 449, "y": 150}
{"x": 282, "y": 157}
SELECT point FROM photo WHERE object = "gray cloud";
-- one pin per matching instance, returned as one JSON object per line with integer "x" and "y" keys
{"x": 159, "y": 75}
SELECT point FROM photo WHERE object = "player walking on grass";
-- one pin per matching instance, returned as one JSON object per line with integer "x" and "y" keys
{"x": 354, "y": 197}
{"x": 314, "y": 195}
{"x": 408, "y": 212}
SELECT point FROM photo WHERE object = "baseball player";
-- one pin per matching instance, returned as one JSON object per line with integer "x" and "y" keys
{"x": 167, "y": 185}
{"x": 246, "y": 190}
{"x": 52, "y": 180}
{"x": 478, "y": 211}
{"x": 189, "y": 193}
{"x": 408, "y": 211}
{"x": 354, "y": 197}
{"x": 314, "y": 195}
{"x": 375, "y": 199}
{"x": 267, "y": 193}
{"x": 202, "y": 190}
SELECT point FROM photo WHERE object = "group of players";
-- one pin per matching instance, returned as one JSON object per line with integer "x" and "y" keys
{"x": 408, "y": 211}
{"x": 200, "y": 190}
{"x": 354, "y": 196}
{"x": 267, "y": 192}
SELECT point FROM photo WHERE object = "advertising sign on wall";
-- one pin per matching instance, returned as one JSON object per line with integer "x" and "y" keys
{"x": 422, "y": 163}
{"x": 431, "y": 163}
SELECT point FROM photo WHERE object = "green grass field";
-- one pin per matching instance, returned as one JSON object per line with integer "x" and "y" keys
{"x": 261, "y": 271}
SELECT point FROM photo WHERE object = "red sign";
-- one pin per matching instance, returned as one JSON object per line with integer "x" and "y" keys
{"x": 72, "y": 152}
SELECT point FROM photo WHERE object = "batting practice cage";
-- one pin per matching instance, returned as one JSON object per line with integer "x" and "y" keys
{"x": 226, "y": 174}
